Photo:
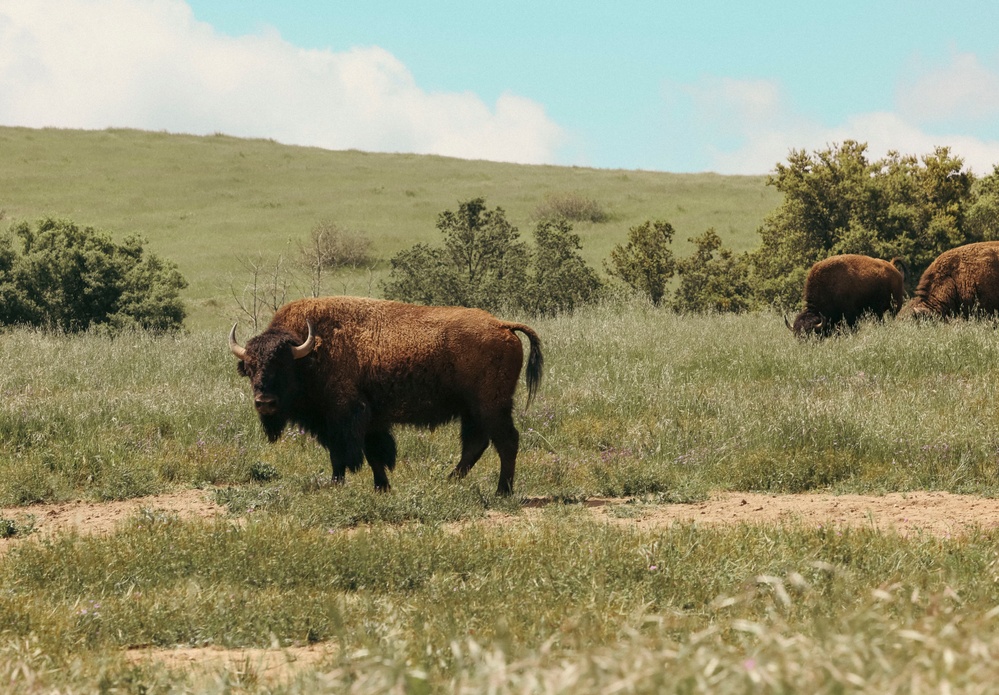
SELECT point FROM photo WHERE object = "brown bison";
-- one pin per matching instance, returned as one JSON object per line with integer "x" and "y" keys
{"x": 346, "y": 369}
{"x": 842, "y": 289}
{"x": 961, "y": 282}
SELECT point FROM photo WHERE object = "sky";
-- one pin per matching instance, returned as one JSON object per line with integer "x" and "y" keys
{"x": 679, "y": 86}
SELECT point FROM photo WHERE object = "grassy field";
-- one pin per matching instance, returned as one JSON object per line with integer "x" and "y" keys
{"x": 206, "y": 201}
{"x": 636, "y": 402}
{"x": 421, "y": 589}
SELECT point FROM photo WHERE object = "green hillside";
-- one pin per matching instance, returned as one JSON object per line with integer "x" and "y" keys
{"x": 205, "y": 201}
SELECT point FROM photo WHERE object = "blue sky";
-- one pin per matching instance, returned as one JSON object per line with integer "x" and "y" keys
{"x": 670, "y": 86}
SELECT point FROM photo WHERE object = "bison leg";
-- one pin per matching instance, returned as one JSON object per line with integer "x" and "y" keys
{"x": 379, "y": 449}
{"x": 345, "y": 453}
{"x": 343, "y": 438}
{"x": 506, "y": 439}
{"x": 474, "y": 441}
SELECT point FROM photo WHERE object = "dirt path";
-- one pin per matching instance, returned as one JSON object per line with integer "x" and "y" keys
{"x": 938, "y": 513}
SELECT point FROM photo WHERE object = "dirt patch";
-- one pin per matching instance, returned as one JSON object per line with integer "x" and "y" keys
{"x": 84, "y": 517}
{"x": 246, "y": 665}
{"x": 937, "y": 513}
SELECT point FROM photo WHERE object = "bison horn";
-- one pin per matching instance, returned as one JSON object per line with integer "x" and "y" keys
{"x": 300, "y": 351}
{"x": 237, "y": 350}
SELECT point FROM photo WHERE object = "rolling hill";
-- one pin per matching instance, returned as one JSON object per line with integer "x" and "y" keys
{"x": 206, "y": 202}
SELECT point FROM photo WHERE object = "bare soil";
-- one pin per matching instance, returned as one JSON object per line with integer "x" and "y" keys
{"x": 935, "y": 513}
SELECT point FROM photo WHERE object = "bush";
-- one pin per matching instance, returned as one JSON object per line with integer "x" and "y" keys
{"x": 712, "y": 279}
{"x": 646, "y": 262}
{"x": 983, "y": 215}
{"x": 482, "y": 264}
{"x": 836, "y": 201}
{"x": 61, "y": 276}
{"x": 573, "y": 207}
{"x": 331, "y": 246}
{"x": 560, "y": 280}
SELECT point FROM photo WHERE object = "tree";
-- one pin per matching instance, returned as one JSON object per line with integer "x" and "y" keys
{"x": 62, "y": 276}
{"x": 265, "y": 290}
{"x": 560, "y": 280}
{"x": 983, "y": 214}
{"x": 837, "y": 201}
{"x": 646, "y": 262}
{"x": 482, "y": 263}
{"x": 712, "y": 279}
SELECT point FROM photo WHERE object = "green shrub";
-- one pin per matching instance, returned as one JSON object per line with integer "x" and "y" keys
{"x": 483, "y": 264}
{"x": 560, "y": 279}
{"x": 62, "y": 276}
{"x": 646, "y": 262}
{"x": 837, "y": 201}
{"x": 712, "y": 279}
{"x": 983, "y": 215}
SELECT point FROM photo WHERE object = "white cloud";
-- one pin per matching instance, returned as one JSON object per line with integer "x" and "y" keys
{"x": 964, "y": 91}
{"x": 747, "y": 127}
{"x": 149, "y": 64}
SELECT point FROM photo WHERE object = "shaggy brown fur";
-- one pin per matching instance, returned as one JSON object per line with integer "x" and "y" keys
{"x": 377, "y": 363}
{"x": 841, "y": 289}
{"x": 961, "y": 282}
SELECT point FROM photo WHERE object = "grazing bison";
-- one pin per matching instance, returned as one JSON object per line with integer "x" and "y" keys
{"x": 346, "y": 369}
{"x": 841, "y": 289}
{"x": 961, "y": 282}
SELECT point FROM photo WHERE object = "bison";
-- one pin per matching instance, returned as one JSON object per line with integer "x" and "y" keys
{"x": 841, "y": 289}
{"x": 346, "y": 369}
{"x": 963, "y": 281}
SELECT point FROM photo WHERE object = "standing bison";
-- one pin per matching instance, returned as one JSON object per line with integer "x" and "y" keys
{"x": 961, "y": 282}
{"x": 346, "y": 369}
{"x": 841, "y": 289}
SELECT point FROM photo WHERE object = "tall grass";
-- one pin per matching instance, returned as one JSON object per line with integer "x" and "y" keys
{"x": 635, "y": 401}
{"x": 564, "y": 600}
{"x": 417, "y": 590}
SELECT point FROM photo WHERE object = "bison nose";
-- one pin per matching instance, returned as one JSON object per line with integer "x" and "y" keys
{"x": 265, "y": 404}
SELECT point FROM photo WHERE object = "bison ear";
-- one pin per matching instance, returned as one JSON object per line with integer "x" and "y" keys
{"x": 241, "y": 368}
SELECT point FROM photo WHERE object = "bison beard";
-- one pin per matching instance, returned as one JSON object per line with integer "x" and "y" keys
{"x": 368, "y": 364}
{"x": 273, "y": 425}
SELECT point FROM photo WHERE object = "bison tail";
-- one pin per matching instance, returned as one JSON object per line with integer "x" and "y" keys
{"x": 535, "y": 360}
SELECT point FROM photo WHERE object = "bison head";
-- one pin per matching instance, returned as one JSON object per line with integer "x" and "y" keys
{"x": 915, "y": 308}
{"x": 808, "y": 323}
{"x": 268, "y": 360}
